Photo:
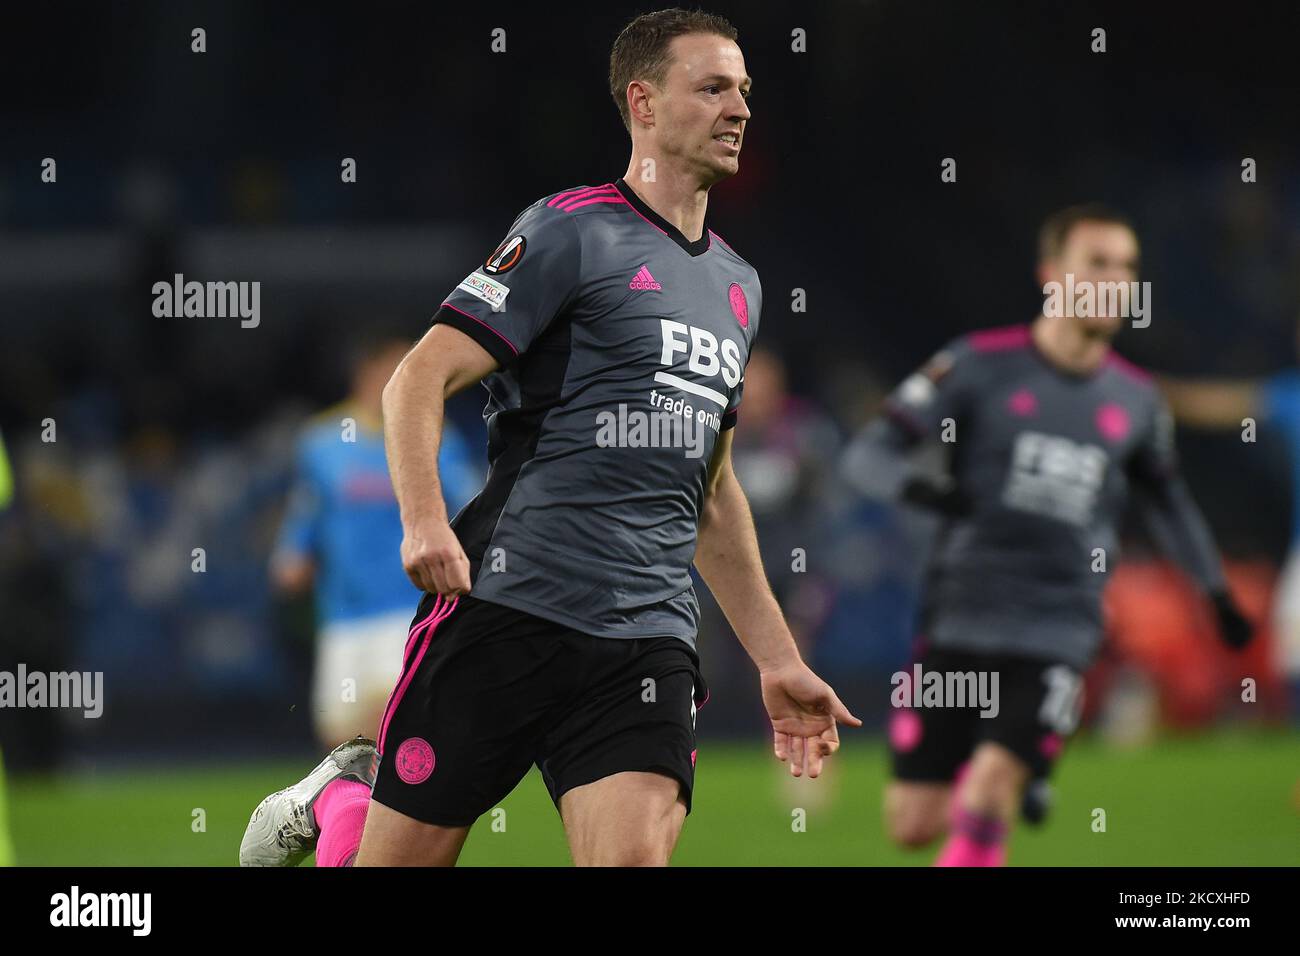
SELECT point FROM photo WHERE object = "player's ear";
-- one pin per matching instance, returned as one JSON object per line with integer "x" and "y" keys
{"x": 1046, "y": 271}
{"x": 639, "y": 106}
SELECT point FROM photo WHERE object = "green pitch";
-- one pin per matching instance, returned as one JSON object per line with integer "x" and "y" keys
{"x": 1223, "y": 799}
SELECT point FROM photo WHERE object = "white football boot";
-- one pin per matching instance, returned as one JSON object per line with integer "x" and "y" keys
{"x": 282, "y": 830}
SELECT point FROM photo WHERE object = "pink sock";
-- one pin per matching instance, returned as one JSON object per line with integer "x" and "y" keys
{"x": 341, "y": 816}
{"x": 975, "y": 841}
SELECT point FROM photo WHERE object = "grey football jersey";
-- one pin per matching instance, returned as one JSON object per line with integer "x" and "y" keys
{"x": 1046, "y": 458}
{"x": 622, "y": 347}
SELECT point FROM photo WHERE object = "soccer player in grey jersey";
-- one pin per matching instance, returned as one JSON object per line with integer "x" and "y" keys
{"x": 611, "y": 330}
{"x": 1047, "y": 431}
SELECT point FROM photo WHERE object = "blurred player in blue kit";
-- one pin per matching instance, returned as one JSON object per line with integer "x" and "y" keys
{"x": 340, "y": 537}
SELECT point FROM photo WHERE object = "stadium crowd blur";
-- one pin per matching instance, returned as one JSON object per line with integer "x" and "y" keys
{"x": 176, "y": 434}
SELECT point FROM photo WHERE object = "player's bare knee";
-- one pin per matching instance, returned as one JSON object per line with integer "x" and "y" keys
{"x": 602, "y": 836}
{"x": 393, "y": 839}
{"x": 649, "y": 853}
{"x": 915, "y": 815}
{"x": 994, "y": 781}
{"x": 914, "y": 829}
{"x": 612, "y": 848}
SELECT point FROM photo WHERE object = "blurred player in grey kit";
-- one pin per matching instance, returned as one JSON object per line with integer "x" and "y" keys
{"x": 1047, "y": 432}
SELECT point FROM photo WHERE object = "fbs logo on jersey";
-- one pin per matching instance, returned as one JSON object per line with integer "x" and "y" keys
{"x": 705, "y": 355}
{"x": 1053, "y": 476}
{"x": 490, "y": 291}
{"x": 506, "y": 256}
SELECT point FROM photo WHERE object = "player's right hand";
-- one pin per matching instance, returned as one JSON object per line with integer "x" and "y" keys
{"x": 939, "y": 493}
{"x": 804, "y": 710}
{"x": 1234, "y": 629}
{"x": 434, "y": 560}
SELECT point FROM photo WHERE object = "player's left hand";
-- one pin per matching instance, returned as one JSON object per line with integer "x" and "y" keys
{"x": 804, "y": 710}
{"x": 1234, "y": 629}
{"x": 938, "y": 493}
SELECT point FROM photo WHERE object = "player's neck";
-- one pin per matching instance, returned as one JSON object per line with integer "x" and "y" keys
{"x": 1065, "y": 345}
{"x": 681, "y": 200}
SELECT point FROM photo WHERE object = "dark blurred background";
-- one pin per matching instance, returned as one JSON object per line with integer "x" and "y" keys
{"x": 178, "y": 433}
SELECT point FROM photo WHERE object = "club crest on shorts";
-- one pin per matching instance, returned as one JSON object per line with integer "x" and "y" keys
{"x": 905, "y": 730}
{"x": 739, "y": 305}
{"x": 414, "y": 760}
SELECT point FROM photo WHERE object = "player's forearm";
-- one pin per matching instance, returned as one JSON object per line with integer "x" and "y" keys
{"x": 727, "y": 558}
{"x": 880, "y": 463}
{"x": 877, "y": 462}
{"x": 413, "y": 406}
{"x": 1211, "y": 403}
{"x": 292, "y": 573}
{"x": 1179, "y": 528}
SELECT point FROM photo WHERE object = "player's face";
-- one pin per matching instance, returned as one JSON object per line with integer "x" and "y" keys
{"x": 1097, "y": 252}
{"x": 701, "y": 114}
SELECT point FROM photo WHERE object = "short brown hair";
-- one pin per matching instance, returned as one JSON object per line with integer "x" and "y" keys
{"x": 641, "y": 51}
{"x": 1057, "y": 227}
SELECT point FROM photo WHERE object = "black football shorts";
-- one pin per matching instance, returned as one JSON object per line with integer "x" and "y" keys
{"x": 1038, "y": 706}
{"x": 487, "y": 691}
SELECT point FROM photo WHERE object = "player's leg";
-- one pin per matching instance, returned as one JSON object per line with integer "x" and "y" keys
{"x": 379, "y": 655}
{"x": 1038, "y": 708}
{"x": 1037, "y": 801}
{"x": 927, "y": 747}
{"x": 465, "y": 722}
{"x": 328, "y": 810}
{"x": 993, "y": 782}
{"x": 287, "y": 825}
{"x": 382, "y": 655}
{"x": 916, "y": 813}
{"x": 358, "y": 663}
{"x": 984, "y": 807}
{"x": 620, "y": 765}
{"x": 625, "y": 819}
{"x": 335, "y": 715}
{"x": 394, "y": 839}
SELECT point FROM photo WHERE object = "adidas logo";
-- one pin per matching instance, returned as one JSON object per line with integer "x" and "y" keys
{"x": 643, "y": 280}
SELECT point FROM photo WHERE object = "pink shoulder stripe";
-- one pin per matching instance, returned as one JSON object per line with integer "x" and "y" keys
{"x": 721, "y": 240}
{"x": 568, "y": 202}
{"x": 560, "y": 199}
{"x": 1000, "y": 339}
{"x": 568, "y": 194}
{"x": 615, "y": 200}
{"x": 1125, "y": 367}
